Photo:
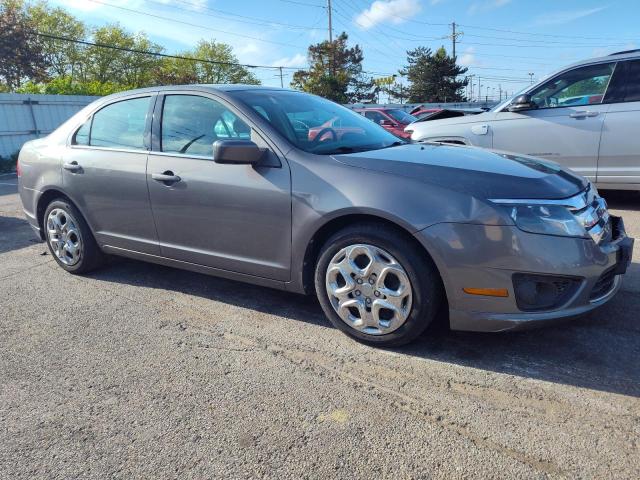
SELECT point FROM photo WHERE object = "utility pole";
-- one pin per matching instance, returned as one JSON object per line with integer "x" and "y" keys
{"x": 330, "y": 28}
{"x": 479, "y": 91}
{"x": 454, "y": 37}
{"x": 531, "y": 77}
{"x": 332, "y": 60}
{"x": 500, "y": 90}
{"x": 281, "y": 75}
{"x": 470, "y": 85}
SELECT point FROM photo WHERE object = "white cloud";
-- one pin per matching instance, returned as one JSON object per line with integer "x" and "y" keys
{"x": 468, "y": 57}
{"x": 486, "y": 5}
{"x": 298, "y": 60}
{"x": 393, "y": 11}
{"x": 560, "y": 18}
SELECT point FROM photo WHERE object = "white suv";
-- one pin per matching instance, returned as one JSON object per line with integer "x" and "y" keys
{"x": 585, "y": 117}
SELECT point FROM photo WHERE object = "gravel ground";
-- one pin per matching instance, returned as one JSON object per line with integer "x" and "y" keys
{"x": 141, "y": 371}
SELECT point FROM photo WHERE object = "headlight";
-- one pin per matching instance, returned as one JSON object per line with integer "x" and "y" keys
{"x": 546, "y": 219}
{"x": 584, "y": 215}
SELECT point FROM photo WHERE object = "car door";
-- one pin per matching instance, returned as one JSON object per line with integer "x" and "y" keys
{"x": 105, "y": 173}
{"x": 230, "y": 217}
{"x": 619, "y": 161}
{"x": 567, "y": 124}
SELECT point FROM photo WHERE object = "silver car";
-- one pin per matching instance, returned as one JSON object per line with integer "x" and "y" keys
{"x": 249, "y": 183}
{"x": 585, "y": 117}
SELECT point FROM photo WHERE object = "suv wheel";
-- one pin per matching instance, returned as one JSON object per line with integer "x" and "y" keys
{"x": 377, "y": 286}
{"x": 69, "y": 238}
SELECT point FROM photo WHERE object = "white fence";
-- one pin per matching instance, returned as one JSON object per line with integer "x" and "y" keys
{"x": 25, "y": 117}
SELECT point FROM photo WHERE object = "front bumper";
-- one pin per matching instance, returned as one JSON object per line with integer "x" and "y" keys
{"x": 486, "y": 256}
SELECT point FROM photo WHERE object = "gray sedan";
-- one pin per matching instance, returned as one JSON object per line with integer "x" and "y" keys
{"x": 291, "y": 191}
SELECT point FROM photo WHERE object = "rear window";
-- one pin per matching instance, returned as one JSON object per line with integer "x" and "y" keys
{"x": 633, "y": 82}
{"x": 120, "y": 125}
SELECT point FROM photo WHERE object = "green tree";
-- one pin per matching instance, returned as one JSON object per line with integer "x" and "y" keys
{"x": 64, "y": 57}
{"x": 182, "y": 71}
{"x": 433, "y": 77}
{"x": 21, "y": 52}
{"x": 335, "y": 73}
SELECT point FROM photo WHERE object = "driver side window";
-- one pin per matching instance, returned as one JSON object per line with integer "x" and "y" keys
{"x": 190, "y": 125}
{"x": 581, "y": 86}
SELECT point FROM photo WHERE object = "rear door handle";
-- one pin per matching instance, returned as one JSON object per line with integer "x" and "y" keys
{"x": 72, "y": 166}
{"x": 166, "y": 177}
{"x": 583, "y": 114}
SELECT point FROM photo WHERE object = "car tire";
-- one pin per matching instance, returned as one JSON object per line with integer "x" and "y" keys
{"x": 346, "y": 253}
{"x": 69, "y": 238}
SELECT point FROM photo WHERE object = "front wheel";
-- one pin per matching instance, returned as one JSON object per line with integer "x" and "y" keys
{"x": 69, "y": 238}
{"x": 376, "y": 285}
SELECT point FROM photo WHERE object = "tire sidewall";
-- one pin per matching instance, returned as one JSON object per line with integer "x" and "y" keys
{"x": 425, "y": 285}
{"x": 85, "y": 234}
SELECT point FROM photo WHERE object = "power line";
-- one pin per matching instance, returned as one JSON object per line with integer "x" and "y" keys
{"x": 140, "y": 12}
{"x": 178, "y": 57}
{"x": 158, "y": 54}
{"x": 223, "y": 13}
{"x": 540, "y": 34}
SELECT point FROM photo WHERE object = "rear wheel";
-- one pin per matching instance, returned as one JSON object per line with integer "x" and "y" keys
{"x": 376, "y": 285}
{"x": 69, "y": 238}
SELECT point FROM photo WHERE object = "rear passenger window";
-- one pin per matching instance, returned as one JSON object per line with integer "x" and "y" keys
{"x": 190, "y": 125}
{"x": 633, "y": 82}
{"x": 82, "y": 134}
{"x": 121, "y": 124}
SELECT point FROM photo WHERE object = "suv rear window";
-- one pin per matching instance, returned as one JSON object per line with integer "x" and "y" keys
{"x": 633, "y": 82}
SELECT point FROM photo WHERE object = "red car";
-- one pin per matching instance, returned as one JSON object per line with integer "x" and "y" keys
{"x": 392, "y": 119}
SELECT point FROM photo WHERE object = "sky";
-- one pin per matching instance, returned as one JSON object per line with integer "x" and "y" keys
{"x": 506, "y": 44}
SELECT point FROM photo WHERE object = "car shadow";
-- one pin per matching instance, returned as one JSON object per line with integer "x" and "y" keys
{"x": 599, "y": 351}
{"x": 624, "y": 200}
{"x": 15, "y": 233}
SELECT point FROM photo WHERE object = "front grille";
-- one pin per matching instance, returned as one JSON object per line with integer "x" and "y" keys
{"x": 604, "y": 284}
{"x": 593, "y": 215}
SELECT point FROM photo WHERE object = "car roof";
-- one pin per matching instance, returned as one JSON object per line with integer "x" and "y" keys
{"x": 624, "y": 55}
{"x": 213, "y": 87}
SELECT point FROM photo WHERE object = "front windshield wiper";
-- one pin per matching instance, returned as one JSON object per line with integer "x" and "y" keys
{"x": 394, "y": 144}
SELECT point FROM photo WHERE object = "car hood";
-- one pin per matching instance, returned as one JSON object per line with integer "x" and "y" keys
{"x": 482, "y": 173}
{"x": 481, "y": 117}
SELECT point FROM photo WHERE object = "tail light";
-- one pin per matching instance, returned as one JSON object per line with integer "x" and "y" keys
{"x": 18, "y": 169}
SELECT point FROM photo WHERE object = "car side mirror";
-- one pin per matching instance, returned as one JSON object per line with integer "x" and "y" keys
{"x": 238, "y": 152}
{"x": 522, "y": 103}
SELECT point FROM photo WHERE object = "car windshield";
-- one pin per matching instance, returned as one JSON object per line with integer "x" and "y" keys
{"x": 402, "y": 116}
{"x": 317, "y": 125}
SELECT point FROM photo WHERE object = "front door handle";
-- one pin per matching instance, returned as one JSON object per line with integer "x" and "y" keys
{"x": 166, "y": 177}
{"x": 583, "y": 114}
{"x": 72, "y": 166}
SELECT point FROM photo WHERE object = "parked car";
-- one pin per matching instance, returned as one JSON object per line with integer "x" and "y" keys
{"x": 421, "y": 111}
{"x": 226, "y": 181}
{"x": 585, "y": 117}
{"x": 393, "y": 120}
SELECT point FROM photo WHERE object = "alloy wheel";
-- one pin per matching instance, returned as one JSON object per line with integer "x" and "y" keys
{"x": 64, "y": 236}
{"x": 369, "y": 289}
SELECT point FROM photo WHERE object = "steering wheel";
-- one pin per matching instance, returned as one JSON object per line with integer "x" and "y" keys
{"x": 304, "y": 125}
{"x": 317, "y": 138}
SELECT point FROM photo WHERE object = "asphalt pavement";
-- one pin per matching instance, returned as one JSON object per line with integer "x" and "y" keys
{"x": 142, "y": 371}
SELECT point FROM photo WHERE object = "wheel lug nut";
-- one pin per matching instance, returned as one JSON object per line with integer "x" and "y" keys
{"x": 376, "y": 293}
{"x": 357, "y": 293}
{"x": 368, "y": 300}
{"x": 359, "y": 281}
{"x": 371, "y": 280}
